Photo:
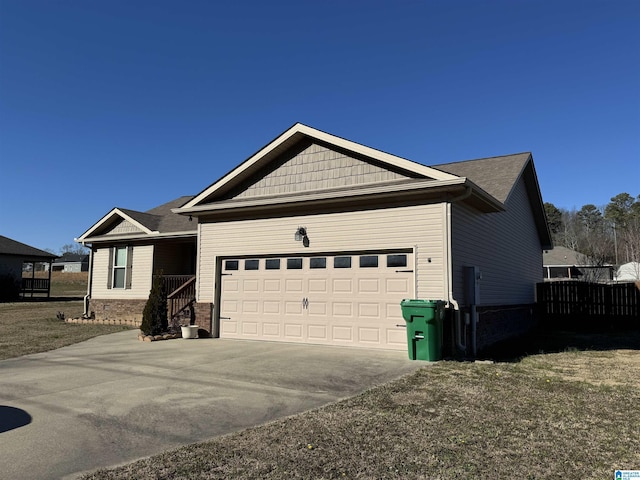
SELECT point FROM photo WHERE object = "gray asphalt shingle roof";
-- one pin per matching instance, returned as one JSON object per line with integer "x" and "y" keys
{"x": 13, "y": 247}
{"x": 495, "y": 175}
{"x": 162, "y": 219}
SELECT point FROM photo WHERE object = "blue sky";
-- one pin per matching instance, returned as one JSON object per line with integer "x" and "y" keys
{"x": 135, "y": 103}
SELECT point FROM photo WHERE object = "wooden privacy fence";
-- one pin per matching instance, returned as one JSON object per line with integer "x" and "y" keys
{"x": 585, "y": 304}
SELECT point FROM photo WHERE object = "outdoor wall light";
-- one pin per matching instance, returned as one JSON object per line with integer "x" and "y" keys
{"x": 301, "y": 234}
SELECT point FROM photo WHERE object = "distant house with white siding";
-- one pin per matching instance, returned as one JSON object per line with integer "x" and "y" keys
{"x": 317, "y": 239}
{"x": 71, "y": 262}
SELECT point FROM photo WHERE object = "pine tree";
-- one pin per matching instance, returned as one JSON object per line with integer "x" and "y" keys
{"x": 154, "y": 315}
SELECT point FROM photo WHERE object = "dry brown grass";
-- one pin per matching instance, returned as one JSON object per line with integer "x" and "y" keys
{"x": 549, "y": 416}
{"x": 32, "y": 327}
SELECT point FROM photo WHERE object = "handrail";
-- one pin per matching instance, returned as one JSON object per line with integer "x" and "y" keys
{"x": 182, "y": 288}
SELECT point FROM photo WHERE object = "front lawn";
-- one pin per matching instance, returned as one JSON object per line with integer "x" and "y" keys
{"x": 32, "y": 327}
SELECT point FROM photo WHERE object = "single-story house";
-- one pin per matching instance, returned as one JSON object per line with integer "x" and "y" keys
{"x": 14, "y": 257}
{"x": 71, "y": 262}
{"x": 317, "y": 239}
{"x": 562, "y": 263}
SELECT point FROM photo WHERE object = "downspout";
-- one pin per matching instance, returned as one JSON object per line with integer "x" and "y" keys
{"x": 86, "y": 313}
{"x": 460, "y": 339}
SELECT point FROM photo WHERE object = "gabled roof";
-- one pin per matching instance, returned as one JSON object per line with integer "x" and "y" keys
{"x": 298, "y": 133}
{"x": 158, "y": 221}
{"x": 13, "y": 247}
{"x": 498, "y": 176}
{"x": 560, "y": 256}
{"x": 71, "y": 258}
{"x": 495, "y": 175}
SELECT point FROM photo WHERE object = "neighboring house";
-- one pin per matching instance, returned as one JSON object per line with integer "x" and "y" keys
{"x": 16, "y": 257}
{"x": 628, "y": 272}
{"x": 71, "y": 262}
{"x": 562, "y": 263}
{"x": 317, "y": 239}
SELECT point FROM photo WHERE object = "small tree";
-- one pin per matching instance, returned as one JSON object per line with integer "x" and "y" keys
{"x": 154, "y": 315}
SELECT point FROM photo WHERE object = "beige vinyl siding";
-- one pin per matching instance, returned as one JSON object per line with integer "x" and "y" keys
{"x": 506, "y": 248}
{"x": 418, "y": 227}
{"x": 140, "y": 280}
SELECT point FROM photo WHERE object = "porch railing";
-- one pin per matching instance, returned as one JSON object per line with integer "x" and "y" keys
{"x": 180, "y": 301}
{"x": 35, "y": 285}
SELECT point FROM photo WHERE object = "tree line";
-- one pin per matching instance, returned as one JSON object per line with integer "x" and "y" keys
{"x": 608, "y": 235}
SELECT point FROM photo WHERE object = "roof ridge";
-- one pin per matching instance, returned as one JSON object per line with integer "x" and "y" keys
{"x": 483, "y": 158}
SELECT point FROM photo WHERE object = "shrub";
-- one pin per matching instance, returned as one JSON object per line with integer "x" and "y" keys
{"x": 9, "y": 288}
{"x": 154, "y": 315}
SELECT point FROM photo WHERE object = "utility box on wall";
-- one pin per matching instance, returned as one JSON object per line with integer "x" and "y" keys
{"x": 472, "y": 277}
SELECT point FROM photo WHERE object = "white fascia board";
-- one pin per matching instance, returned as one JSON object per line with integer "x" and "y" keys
{"x": 117, "y": 238}
{"x": 299, "y": 128}
{"x": 109, "y": 216}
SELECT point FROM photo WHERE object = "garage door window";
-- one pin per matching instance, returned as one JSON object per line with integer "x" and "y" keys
{"x": 342, "y": 262}
{"x": 369, "y": 261}
{"x": 294, "y": 263}
{"x": 272, "y": 264}
{"x": 231, "y": 264}
{"x": 251, "y": 264}
{"x": 318, "y": 262}
{"x": 396, "y": 260}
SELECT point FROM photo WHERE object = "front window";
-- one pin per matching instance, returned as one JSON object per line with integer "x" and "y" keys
{"x": 120, "y": 267}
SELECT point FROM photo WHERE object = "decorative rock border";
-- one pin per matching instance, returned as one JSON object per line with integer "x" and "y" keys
{"x": 154, "y": 338}
{"x": 93, "y": 321}
{"x": 128, "y": 323}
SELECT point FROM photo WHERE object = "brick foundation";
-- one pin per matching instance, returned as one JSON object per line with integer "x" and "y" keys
{"x": 203, "y": 315}
{"x": 109, "y": 311}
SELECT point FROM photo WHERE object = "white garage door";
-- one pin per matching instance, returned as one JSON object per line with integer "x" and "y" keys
{"x": 330, "y": 299}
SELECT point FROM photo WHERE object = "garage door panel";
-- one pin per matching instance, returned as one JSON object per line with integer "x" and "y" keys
{"x": 317, "y": 308}
{"x": 342, "y": 309}
{"x": 369, "y": 335}
{"x": 272, "y": 286}
{"x": 251, "y": 285}
{"x": 318, "y": 285}
{"x": 398, "y": 284}
{"x": 396, "y": 338}
{"x": 342, "y": 285}
{"x": 271, "y": 307}
{"x": 293, "y": 285}
{"x": 318, "y": 333}
{"x": 342, "y": 333}
{"x": 369, "y": 310}
{"x": 250, "y": 306}
{"x": 250, "y": 328}
{"x": 349, "y": 301}
{"x": 271, "y": 329}
{"x": 293, "y": 331}
{"x": 368, "y": 285}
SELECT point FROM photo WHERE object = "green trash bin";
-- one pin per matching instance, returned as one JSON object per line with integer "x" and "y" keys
{"x": 424, "y": 320}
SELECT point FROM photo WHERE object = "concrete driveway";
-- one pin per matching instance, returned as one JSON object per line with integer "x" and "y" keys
{"x": 113, "y": 399}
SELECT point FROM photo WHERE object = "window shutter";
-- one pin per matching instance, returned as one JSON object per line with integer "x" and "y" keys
{"x": 110, "y": 269}
{"x": 129, "y": 267}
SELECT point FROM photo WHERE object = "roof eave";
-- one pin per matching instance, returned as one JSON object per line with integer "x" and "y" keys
{"x": 136, "y": 237}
